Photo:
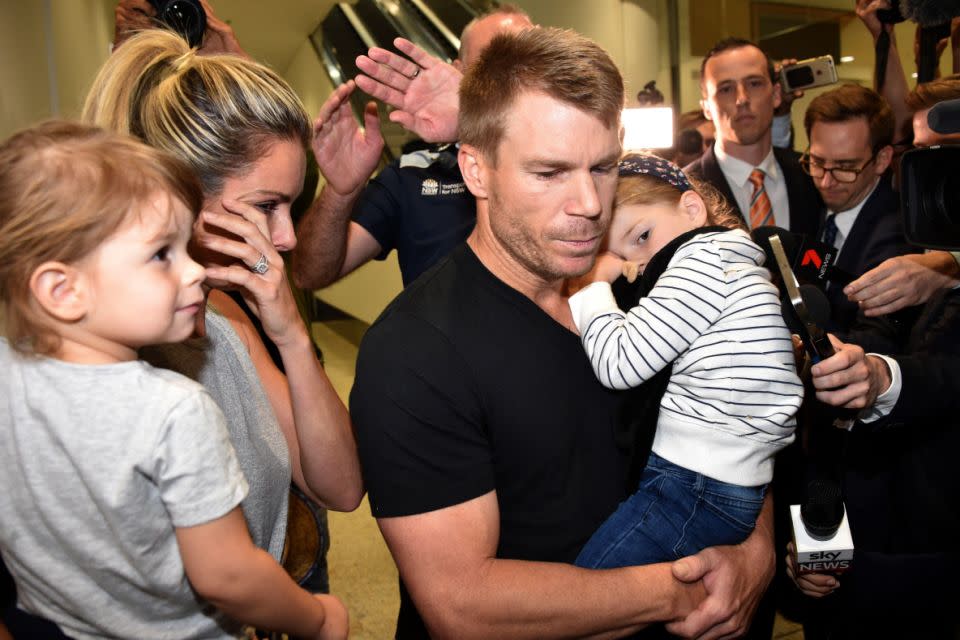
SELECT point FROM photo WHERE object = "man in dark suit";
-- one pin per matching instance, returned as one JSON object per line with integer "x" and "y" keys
{"x": 900, "y": 487}
{"x": 851, "y": 132}
{"x": 764, "y": 184}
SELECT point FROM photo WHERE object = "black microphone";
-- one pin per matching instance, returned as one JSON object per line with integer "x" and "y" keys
{"x": 930, "y": 13}
{"x": 944, "y": 117}
{"x": 821, "y": 532}
{"x": 822, "y": 508}
{"x": 812, "y": 261}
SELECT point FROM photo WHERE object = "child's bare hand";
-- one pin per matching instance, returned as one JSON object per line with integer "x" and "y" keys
{"x": 607, "y": 268}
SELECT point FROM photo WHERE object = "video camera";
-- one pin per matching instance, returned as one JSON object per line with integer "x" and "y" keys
{"x": 930, "y": 199}
{"x": 933, "y": 16}
{"x": 926, "y": 13}
{"x": 186, "y": 17}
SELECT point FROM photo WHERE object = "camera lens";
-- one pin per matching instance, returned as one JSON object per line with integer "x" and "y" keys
{"x": 800, "y": 77}
{"x": 187, "y": 18}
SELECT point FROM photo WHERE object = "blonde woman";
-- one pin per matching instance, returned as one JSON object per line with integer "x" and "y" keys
{"x": 244, "y": 133}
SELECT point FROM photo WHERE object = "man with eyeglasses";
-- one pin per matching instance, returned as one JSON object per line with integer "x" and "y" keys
{"x": 911, "y": 280}
{"x": 851, "y": 131}
{"x": 900, "y": 487}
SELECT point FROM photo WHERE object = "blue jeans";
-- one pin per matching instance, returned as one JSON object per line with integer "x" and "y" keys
{"x": 675, "y": 513}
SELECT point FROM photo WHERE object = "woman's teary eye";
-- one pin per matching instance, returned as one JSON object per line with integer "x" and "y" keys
{"x": 267, "y": 207}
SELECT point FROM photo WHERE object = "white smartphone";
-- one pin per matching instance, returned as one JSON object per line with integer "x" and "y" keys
{"x": 806, "y": 74}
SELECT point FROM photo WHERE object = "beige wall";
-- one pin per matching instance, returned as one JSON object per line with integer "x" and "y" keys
{"x": 49, "y": 52}
{"x": 634, "y": 32}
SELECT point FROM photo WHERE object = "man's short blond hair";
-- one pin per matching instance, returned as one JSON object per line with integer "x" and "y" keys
{"x": 559, "y": 63}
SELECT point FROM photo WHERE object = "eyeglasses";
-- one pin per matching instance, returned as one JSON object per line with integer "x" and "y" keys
{"x": 840, "y": 174}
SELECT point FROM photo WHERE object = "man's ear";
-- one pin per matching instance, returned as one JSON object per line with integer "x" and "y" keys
{"x": 61, "y": 291}
{"x": 473, "y": 166}
{"x": 777, "y": 94}
{"x": 884, "y": 158}
{"x": 694, "y": 208}
{"x": 704, "y": 104}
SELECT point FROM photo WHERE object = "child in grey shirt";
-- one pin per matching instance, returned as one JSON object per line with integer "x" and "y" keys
{"x": 121, "y": 489}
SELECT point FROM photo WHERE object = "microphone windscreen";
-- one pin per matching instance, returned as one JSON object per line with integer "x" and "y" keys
{"x": 816, "y": 303}
{"x": 822, "y": 509}
{"x": 791, "y": 244}
{"x": 930, "y": 13}
{"x": 944, "y": 117}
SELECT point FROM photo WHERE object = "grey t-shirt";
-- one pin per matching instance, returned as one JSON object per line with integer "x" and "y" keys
{"x": 98, "y": 464}
{"x": 221, "y": 363}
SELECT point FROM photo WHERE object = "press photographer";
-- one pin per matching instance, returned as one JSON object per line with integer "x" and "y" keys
{"x": 194, "y": 19}
{"x": 900, "y": 490}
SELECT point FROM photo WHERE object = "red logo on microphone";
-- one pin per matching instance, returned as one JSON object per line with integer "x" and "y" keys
{"x": 811, "y": 257}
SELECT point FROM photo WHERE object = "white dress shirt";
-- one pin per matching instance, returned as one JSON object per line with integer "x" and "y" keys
{"x": 737, "y": 172}
{"x": 845, "y": 219}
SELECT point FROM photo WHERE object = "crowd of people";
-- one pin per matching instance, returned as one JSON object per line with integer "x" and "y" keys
{"x": 584, "y": 416}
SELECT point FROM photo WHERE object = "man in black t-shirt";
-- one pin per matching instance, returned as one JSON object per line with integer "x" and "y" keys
{"x": 486, "y": 442}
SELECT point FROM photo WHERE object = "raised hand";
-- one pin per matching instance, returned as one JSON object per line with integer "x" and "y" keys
{"x": 346, "y": 153}
{"x": 422, "y": 89}
{"x": 219, "y": 37}
{"x": 787, "y": 97}
{"x": 130, "y": 16}
{"x": 867, "y": 12}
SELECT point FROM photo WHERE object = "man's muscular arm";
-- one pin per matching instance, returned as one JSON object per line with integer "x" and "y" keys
{"x": 463, "y": 591}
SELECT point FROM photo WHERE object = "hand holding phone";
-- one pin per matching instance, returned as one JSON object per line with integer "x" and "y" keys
{"x": 806, "y": 74}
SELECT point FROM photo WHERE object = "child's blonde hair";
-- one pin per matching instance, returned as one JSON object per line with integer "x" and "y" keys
{"x": 643, "y": 189}
{"x": 64, "y": 189}
{"x": 217, "y": 113}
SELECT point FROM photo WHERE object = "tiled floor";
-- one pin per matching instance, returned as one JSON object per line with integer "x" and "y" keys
{"x": 362, "y": 572}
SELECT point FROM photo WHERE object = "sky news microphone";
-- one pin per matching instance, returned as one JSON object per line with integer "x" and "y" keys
{"x": 821, "y": 532}
{"x": 812, "y": 261}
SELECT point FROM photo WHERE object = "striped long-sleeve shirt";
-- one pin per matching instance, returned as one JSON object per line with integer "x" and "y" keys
{"x": 731, "y": 401}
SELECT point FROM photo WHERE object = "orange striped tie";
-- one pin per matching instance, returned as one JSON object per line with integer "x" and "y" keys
{"x": 761, "y": 211}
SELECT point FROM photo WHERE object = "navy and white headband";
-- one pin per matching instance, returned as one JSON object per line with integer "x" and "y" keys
{"x": 636, "y": 164}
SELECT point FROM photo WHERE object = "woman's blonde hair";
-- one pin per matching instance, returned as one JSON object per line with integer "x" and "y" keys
{"x": 648, "y": 189}
{"x": 64, "y": 189}
{"x": 217, "y": 113}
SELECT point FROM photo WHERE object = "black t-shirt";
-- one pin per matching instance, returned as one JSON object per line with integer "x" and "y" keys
{"x": 465, "y": 386}
{"x": 420, "y": 206}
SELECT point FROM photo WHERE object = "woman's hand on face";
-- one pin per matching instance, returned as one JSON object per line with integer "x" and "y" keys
{"x": 242, "y": 234}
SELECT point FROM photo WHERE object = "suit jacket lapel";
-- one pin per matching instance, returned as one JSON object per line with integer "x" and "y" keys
{"x": 714, "y": 175}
